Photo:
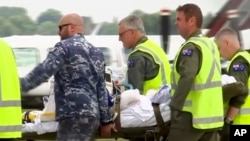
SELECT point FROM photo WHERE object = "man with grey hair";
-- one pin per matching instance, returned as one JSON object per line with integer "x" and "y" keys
{"x": 148, "y": 65}
{"x": 237, "y": 107}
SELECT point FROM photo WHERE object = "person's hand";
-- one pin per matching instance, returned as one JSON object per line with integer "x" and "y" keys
{"x": 106, "y": 130}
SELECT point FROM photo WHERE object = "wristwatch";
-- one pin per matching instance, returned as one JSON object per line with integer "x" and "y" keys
{"x": 228, "y": 120}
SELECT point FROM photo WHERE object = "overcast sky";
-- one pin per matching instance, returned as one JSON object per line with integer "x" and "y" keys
{"x": 106, "y": 10}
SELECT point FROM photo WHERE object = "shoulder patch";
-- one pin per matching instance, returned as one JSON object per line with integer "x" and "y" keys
{"x": 238, "y": 67}
{"x": 187, "y": 52}
{"x": 131, "y": 63}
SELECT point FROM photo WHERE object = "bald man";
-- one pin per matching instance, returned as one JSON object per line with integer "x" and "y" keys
{"x": 80, "y": 96}
{"x": 237, "y": 111}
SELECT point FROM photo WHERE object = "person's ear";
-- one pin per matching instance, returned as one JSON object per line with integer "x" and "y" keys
{"x": 192, "y": 20}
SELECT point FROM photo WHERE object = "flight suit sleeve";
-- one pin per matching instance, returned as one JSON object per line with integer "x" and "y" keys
{"x": 239, "y": 68}
{"x": 136, "y": 70}
{"x": 188, "y": 65}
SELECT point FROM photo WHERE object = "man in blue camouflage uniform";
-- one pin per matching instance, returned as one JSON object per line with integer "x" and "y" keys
{"x": 80, "y": 96}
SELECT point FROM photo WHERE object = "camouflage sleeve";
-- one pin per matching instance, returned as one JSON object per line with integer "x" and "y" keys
{"x": 188, "y": 65}
{"x": 103, "y": 97}
{"x": 240, "y": 70}
{"x": 44, "y": 70}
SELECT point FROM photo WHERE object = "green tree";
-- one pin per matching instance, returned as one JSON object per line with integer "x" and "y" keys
{"x": 88, "y": 25}
{"x": 207, "y": 19}
{"x": 49, "y": 15}
{"x": 151, "y": 23}
{"x": 7, "y": 28}
{"x": 11, "y": 11}
{"x": 109, "y": 29}
{"x": 47, "y": 28}
{"x": 25, "y": 25}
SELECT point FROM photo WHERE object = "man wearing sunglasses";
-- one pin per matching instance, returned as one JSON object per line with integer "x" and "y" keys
{"x": 80, "y": 95}
{"x": 148, "y": 65}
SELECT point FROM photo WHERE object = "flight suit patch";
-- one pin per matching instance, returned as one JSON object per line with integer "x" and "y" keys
{"x": 238, "y": 67}
{"x": 187, "y": 52}
{"x": 131, "y": 63}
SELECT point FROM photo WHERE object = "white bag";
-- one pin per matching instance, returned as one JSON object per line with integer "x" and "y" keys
{"x": 48, "y": 113}
{"x": 129, "y": 98}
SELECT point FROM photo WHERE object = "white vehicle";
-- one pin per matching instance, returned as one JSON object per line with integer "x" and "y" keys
{"x": 31, "y": 50}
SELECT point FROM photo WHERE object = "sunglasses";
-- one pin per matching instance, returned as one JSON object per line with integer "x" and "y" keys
{"x": 63, "y": 25}
{"x": 122, "y": 33}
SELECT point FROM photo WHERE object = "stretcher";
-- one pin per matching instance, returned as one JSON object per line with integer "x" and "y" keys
{"x": 151, "y": 133}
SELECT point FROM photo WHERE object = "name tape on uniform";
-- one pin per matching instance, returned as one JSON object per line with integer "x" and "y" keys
{"x": 239, "y": 132}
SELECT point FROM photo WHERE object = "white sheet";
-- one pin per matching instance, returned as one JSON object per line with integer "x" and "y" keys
{"x": 142, "y": 114}
{"x": 139, "y": 115}
{"x": 40, "y": 128}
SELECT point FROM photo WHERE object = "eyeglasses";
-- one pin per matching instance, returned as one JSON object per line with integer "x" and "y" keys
{"x": 120, "y": 34}
{"x": 63, "y": 25}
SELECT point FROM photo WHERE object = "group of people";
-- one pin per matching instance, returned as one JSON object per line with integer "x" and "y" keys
{"x": 197, "y": 107}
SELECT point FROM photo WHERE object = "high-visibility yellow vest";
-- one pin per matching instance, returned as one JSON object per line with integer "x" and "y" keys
{"x": 243, "y": 117}
{"x": 160, "y": 58}
{"x": 204, "y": 100}
{"x": 10, "y": 104}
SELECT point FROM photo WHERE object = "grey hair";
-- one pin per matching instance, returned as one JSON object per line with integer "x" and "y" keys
{"x": 133, "y": 22}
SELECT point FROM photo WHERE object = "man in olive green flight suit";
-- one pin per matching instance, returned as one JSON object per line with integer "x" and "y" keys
{"x": 229, "y": 47}
{"x": 142, "y": 65}
{"x": 148, "y": 65}
{"x": 188, "y": 65}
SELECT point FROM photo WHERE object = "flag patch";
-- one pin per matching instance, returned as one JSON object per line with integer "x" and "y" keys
{"x": 131, "y": 63}
{"x": 187, "y": 52}
{"x": 238, "y": 67}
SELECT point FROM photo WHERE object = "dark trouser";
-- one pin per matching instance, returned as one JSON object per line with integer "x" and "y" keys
{"x": 7, "y": 139}
{"x": 181, "y": 129}
{"x": 77, "y": 129}
{"x": 176, "y": 134}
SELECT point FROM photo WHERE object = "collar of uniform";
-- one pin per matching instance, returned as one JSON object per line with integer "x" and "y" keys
{"x": 195, "y": 34}
{"x": 141, "y": 40}
{"x": 79, "y": 34}
{"x": 239, "y": 50}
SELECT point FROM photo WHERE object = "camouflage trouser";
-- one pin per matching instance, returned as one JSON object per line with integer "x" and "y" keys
{"x": 77, "y": 129}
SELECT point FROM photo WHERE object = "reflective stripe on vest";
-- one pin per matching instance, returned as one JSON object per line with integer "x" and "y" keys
{"x": 163, "y": 76}
{"x": 244, "y": 111}
{"x": 207, "y": 120}
{"x": 11, "y": 128}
